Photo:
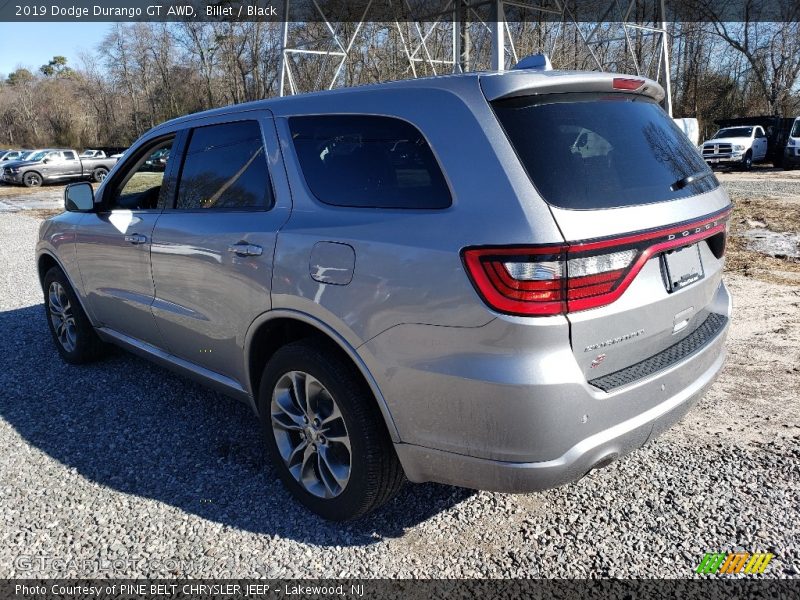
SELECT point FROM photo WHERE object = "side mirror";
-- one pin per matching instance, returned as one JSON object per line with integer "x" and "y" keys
{"x": 79, "y": 197}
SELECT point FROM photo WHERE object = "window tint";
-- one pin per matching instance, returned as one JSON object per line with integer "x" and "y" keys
{"x": 225, "y": 167}
{"x": 141, "y": 186}
{"x": 69, "y": 155}
{"x": 368, "y": 161}
{"x": 587, "y": 151}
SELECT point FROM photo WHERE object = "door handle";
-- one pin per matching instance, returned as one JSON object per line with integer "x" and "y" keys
{"x": 242, "y": 249}
{"x": 136, "y": 238}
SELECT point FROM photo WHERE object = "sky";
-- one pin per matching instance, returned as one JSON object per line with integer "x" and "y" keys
{"x": 32, "y": 45}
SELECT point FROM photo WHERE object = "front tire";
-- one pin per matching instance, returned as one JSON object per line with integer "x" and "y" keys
{"x": 32, "y": 179}
{"x": 324, "y": 433}
{"x": 73, "y": 334}
{"x": 747, "y": 161}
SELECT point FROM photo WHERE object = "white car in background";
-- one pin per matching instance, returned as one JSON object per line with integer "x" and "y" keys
{"x": 736, "y": 146}
{"x": 791, "y": 154}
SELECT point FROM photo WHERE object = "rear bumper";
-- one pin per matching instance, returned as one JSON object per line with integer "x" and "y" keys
{"x": 425, "y": 464}
{"x": 515, "y": 421}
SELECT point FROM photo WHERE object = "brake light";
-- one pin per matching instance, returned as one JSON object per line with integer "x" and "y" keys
{"x": 557, "y": 279}
{"x": 623, "y": 83}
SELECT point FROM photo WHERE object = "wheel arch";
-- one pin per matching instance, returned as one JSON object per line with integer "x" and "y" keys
{"x": 46, "y": 261}
{"x": 34, "y": 172}
{"x": 275, "y": 329}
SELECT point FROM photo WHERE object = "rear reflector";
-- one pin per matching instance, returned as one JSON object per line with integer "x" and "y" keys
{"x": 622, "y": 83}
{"x": 562, "y": 278}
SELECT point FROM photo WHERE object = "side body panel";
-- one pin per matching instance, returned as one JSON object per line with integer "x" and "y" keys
{"x": 206, "y": 296}
{"x": 116, "y": 274}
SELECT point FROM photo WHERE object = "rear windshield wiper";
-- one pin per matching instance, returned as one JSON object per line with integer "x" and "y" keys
{"x": 682, "y": 183}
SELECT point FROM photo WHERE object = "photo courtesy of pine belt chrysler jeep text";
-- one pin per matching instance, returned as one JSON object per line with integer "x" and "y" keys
{"x": 493, "y": 280}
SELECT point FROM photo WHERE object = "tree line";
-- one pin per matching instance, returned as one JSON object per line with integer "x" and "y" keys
{"x": 145, "y": 73}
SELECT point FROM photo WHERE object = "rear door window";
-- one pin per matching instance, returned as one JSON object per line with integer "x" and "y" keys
{"x": 368, "y": 161}
{"x": 225, "y": 168}
{"x": 592, "y": 151}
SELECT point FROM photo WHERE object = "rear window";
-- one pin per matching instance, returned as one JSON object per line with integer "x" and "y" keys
{"x": 590, "y": 151}
{"x": 368, "y": 161}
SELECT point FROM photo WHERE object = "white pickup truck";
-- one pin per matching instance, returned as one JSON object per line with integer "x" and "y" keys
{"x": 736, "y": 146}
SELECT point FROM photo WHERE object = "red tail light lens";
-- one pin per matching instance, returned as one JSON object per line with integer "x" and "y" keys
{"x": 520, "y": 281}
{"x": 623, "y": 83}
{"x": 556, "y": 279}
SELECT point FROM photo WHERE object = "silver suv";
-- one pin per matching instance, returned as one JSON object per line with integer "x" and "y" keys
{"x": 493, "y": 280}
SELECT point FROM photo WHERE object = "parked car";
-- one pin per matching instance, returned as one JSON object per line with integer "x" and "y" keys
{"x": 791, "y": 156}
{"x": 55, "y": 164}
{"x": 158, "y": 161}
{"x": 11, "y": 155}
{"x": 739, "y": 146}
{"x": 776, "y": 129}
{"x": 92, "y": 154}
{"x": 499, "y": 281}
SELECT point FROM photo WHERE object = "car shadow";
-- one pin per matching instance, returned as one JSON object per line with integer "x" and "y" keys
{"x": 140, "y": 429}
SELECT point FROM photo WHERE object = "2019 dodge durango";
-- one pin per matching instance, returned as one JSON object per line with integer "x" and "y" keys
{"x": 493, "y": 280}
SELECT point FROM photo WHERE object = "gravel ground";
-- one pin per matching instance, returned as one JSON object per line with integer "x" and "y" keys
{"x": 139, "y": 472}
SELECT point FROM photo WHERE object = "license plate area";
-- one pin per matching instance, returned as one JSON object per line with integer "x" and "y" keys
{"x": 681, "y": 267}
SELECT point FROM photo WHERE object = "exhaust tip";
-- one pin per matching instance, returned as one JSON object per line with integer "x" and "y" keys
{"x": 603, "y": 462}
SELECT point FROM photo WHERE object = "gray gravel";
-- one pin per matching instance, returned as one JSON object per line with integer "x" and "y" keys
{"x": 139, "y": 472}
{"x": 761, "y": 182}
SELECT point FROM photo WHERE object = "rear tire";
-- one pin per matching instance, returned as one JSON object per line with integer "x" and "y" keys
{"x": 324, "y": 433}
{"x": 73, "y": 334}
{"x": 99, "y": 174}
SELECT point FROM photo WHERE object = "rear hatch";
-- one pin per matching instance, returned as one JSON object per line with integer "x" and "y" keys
{"x": 642, "y": 216}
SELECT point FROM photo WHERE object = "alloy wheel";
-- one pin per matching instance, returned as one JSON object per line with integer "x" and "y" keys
{"x": 62, "y": 316}
{"x": 311, "y": 434}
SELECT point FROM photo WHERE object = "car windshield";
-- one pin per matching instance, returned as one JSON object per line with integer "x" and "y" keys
{"x": 733, "y": 132}
{"x": 796, "y": 129}
{"x": 591, "y": 151}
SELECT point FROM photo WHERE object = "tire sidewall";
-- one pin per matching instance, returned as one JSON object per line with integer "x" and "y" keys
{"x": 331, "y": 374}
{"x": 35, "y": 178}
{"x": 84, "y": 332}
{"x": 99, "y": 174}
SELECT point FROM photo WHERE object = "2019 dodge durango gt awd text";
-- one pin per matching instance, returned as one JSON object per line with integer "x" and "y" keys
{"x": 494, "y": 280}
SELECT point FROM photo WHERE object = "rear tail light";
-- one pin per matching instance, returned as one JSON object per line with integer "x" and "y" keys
{"x": 557, "y": 279}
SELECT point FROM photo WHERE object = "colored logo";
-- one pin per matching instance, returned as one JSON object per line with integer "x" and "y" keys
{"x": 738, "y": 562}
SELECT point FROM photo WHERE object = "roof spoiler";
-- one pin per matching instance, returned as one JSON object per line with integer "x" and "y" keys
{"x": 529, "y": 82}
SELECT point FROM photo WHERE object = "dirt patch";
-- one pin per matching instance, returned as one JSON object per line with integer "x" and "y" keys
{"x": 43, "y": 213}
{"x": 55, "y": 190}
{"x": 774, "y": 214}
